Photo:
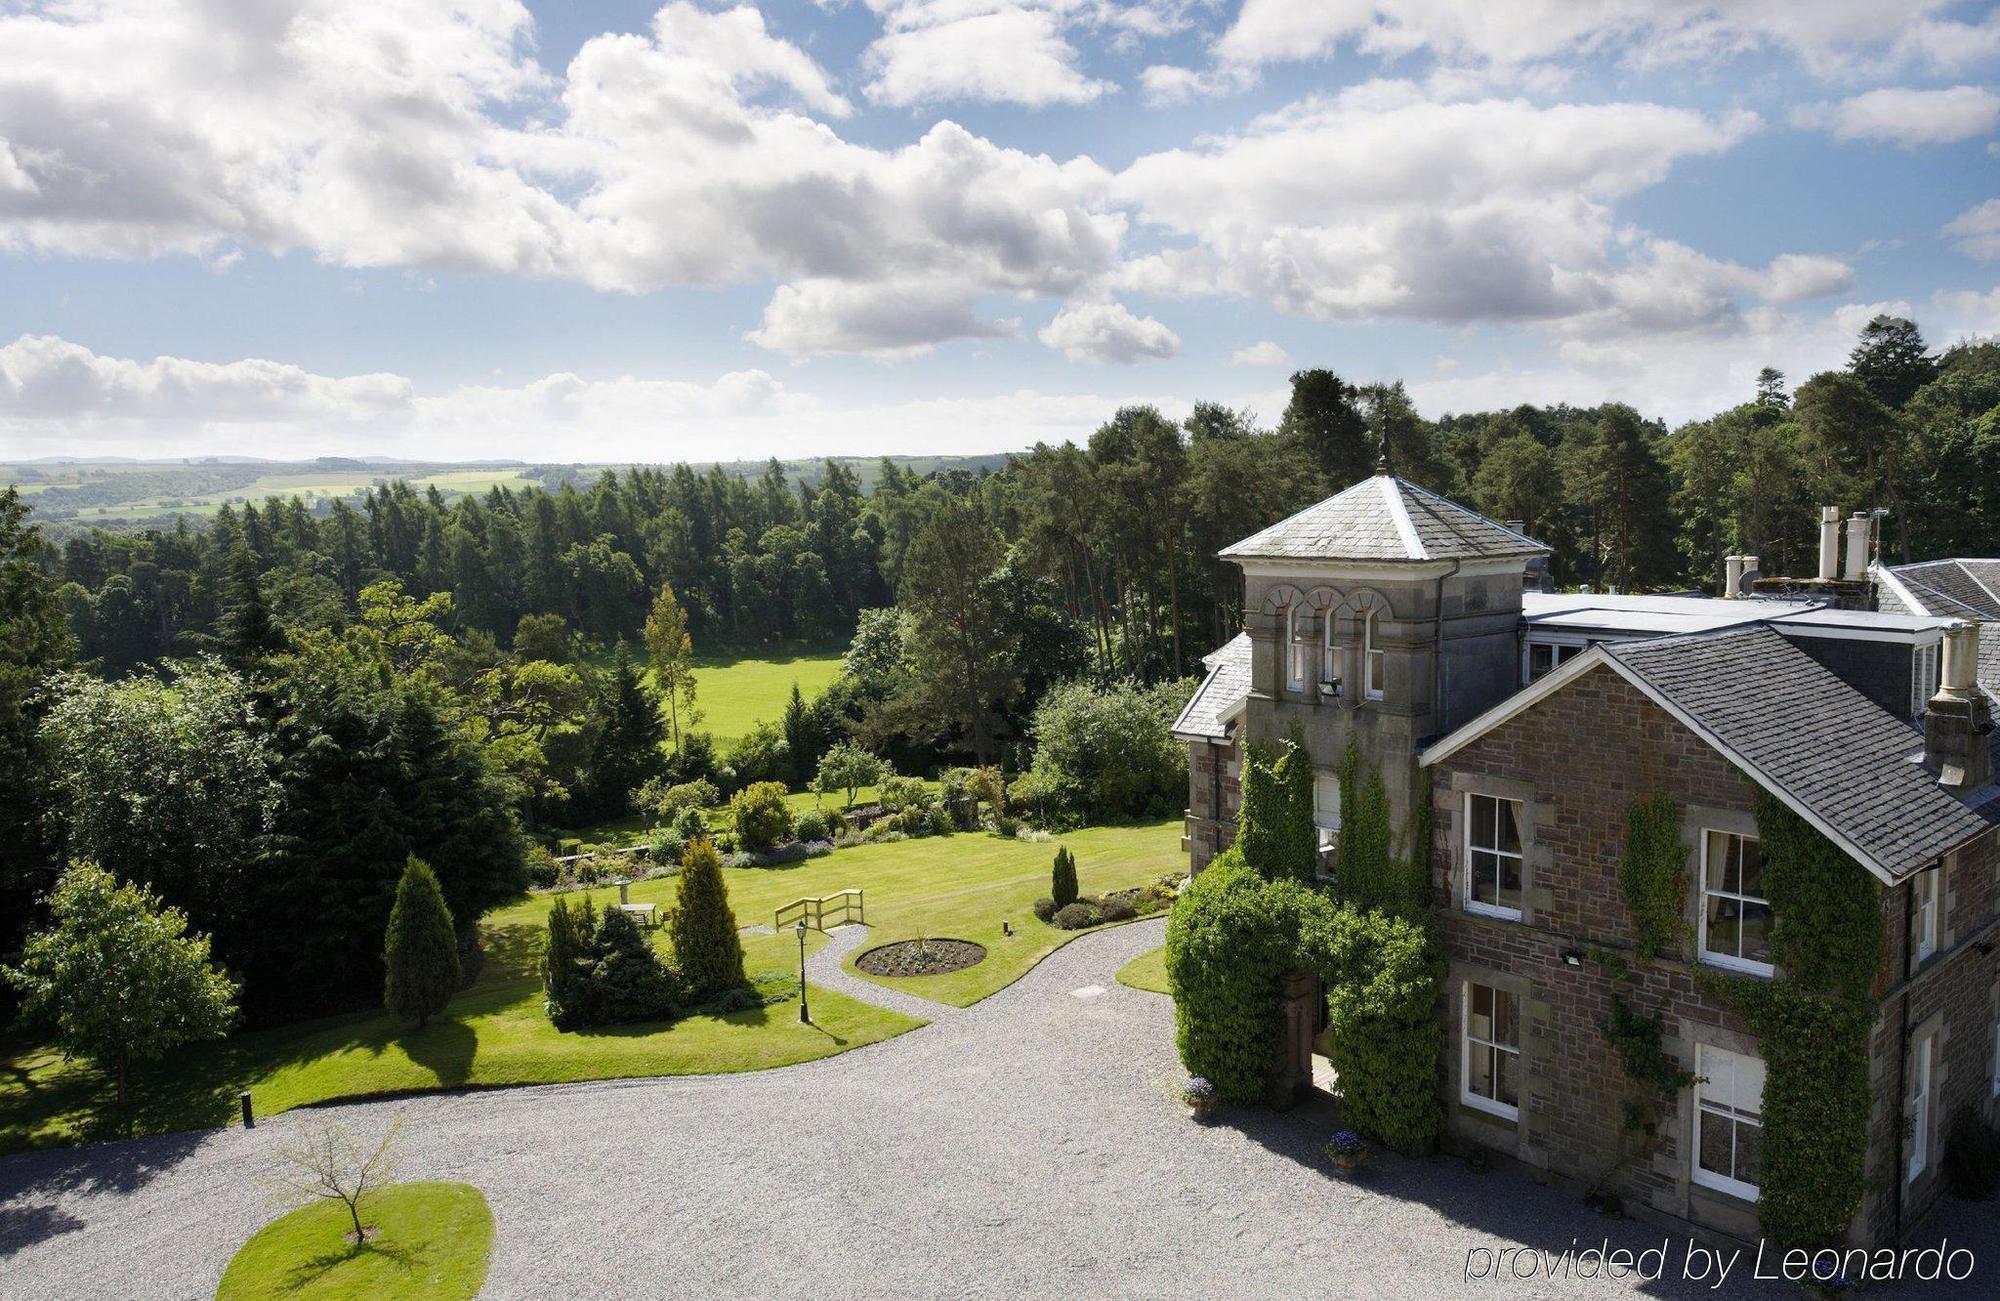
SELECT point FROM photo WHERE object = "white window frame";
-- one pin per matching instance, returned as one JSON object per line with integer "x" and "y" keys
{"x": 1373, "y": 663}
{"x": 1326, "y": 822}
{"x": 1479, "y": 906}
{"x": 1467, "y": 1040}
{"x": 1708, "y": 1062}
{"x": 1727, "y": 961}
{"x": 1924, "y": 915}
{"x": 1329, "y": 659}
{"x": 1994, "y": 1084}
{"x": 1923, "y": 678}
{"x": 1917, "y": 1107}
{"x": 1295, "y": 660}
{"x": 1560, "y": 653}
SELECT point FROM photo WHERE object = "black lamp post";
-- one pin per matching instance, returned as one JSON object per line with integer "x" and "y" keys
{"x": 804, "y": 1014}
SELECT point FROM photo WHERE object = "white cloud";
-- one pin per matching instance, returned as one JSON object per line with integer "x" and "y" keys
{"x": 42, "y": 377}
{"x": 1108, "y": 332}
{"x": 56, "y": 396}
{"x": 1795, "y": 277}
{"x": 1168, "y": 84}
{"x": 376, "y": 136}
{"x": 1828, "y": 36}
{"x": 1976, "y": 231}
{"x": 1384, "y": 202}
{"x": 935, "y": 51}
{"x": 889, "y": 320}
{"x": 1910, "y": 118}
{"x": 1261, "y": 354}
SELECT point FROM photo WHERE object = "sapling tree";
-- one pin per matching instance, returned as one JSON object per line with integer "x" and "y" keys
{"x": 847, "y": 767}
{"x": 327, "y": 1163}
{"x": 116, "y": 978}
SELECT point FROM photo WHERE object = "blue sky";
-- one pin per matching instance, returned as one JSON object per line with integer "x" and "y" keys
{"x": 462, "y": 228}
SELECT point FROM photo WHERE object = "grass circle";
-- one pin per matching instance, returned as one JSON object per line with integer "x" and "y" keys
{"x": 427, "y": 1240}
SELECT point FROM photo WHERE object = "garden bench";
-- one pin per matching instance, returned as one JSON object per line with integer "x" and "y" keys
{"x": 647, "y": 915}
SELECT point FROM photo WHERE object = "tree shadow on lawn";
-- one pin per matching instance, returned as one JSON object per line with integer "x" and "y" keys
{"x": 445, "y": 1047}
{"x": 105, "y": 1168}
{"x": 314, "y": 1268}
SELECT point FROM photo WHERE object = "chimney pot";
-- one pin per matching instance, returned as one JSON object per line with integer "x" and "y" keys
{"x": 1958, "y": 717}
{"x": 1829, "y": 543}
{"x": 1732, "y": 577}
{"x": 1857, "y": 547}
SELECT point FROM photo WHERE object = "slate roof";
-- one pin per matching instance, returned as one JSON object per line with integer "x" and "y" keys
{"x": 1809, "y": 738}
{"x": 1225, "y": 686}
{"x": 1385, "y": 518}
{"x": 1969, "y": 589}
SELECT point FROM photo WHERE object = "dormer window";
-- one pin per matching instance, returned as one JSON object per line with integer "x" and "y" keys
{"x": 1371, "y": 657}
{"x": 1923, "y": 679}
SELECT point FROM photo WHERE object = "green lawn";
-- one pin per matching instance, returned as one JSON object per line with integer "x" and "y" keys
{"x": 496, "y": 1032}
{"x": 991, "y": 881}
{"x": 735, "y": 694}
{"x": 428, "y": 1240}
{"x": 1147, "y": 971}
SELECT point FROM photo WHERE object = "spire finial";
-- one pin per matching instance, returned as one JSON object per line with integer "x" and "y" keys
{"x": 1382, "y": 454}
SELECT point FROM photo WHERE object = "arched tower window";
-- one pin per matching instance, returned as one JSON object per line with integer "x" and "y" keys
{"x": 1371, "y": 657}
{"x": 1328, "y": 658}
{"x": 1298, "y": 645}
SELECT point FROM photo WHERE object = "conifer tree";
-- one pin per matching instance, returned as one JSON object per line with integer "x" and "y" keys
{"x": 1062, "y": 882}
{"x": 628, "y": 747}
{"x": 421, "y": 951}
{"x": 703, "y": 928}
{"x": 246, "y": 630}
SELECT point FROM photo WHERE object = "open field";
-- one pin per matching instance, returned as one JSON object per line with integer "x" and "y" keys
{"x": 736, "y": 694}
{"x": 496, "y": 1033}
{"x": 313, "y": 487}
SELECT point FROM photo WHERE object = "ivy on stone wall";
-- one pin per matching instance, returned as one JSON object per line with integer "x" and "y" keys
{"x": 1812, "y": 1023}
{"x": 1297, "y": 843}
{"x": 1274, "y": 827}
{"x": 1232, "y": 938}
{"x": 1368, "y": 873}
{"x": 1652, "y": 873}
{"x": 1261, "y": 813}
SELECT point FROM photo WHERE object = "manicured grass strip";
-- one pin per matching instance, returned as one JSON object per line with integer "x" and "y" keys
{"x": 1148, "y": 971}
{"x": 428, "y": 1240}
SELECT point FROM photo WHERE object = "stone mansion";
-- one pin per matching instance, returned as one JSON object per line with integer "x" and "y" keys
{"x": 1391, "y": 619}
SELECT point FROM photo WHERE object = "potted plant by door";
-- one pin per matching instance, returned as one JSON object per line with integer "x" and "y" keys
{"x": 1199, "y": 1095}
{"x": 1347, "y": 1151}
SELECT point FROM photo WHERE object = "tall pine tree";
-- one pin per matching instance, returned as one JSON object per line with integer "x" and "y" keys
{"x": 628, "y": 742}
{"x": 420, "y": 952}
{"x": 707, "y": 950}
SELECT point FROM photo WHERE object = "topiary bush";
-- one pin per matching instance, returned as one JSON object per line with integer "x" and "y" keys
{"x": 1045, "y": 909}
{"x": 420, "y": 951}
{"x": 707, "y": 949}
{"x": 1231, "y": 937}
{"x": 763, "y": 819}
{"x": 1062, "y": 879}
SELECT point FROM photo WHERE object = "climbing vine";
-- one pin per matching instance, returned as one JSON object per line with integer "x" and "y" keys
{"x": 1636, "y": 1038}
{"x": 1812, "y": 1022}
{"x": 1652, "y": 873}
{"x": 1275, "y": 825}
{"x": 1368, "y": 873}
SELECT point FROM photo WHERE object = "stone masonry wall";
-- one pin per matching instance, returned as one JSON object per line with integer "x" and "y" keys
{"x": 1213, "y": 770}
{"x": 1576, "y": 759}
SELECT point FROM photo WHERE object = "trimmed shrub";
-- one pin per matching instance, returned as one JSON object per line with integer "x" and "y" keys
{"x": 1062, "y": 880}
{"x": 628, "y": 982}
{"x": 1076, "y": 916}
{"x": 763, "y": 819}
{"x": 571, "y": 932}
{"x": 811, "y": 825}
{"x": 707, "y": 950}
{"x": 1383, "y": 974}
{"x": 1045, "y": 909}
{"x": 543, "y": 870}
{"x": 1230, "y": 939}
{"x": 692, "y": 824}
{"x": 421, "y": 948}
{"x": 1116, "y": 910}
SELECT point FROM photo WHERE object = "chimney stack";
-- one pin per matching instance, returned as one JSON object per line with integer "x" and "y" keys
{"x": 1857, "y": 548}
{"x": 1958, "y": 719}
{"x": 1732, "y": 577}
{"x": 1829, "y": 543}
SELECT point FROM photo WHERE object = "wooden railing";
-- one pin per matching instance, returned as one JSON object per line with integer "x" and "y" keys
{"x": 838, "y": 909}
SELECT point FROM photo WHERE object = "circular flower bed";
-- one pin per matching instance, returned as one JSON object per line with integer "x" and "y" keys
{"x": 921, "y": 957}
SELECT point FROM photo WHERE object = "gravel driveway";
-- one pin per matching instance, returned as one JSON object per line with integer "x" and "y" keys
{"x": 1027, "y": 1145}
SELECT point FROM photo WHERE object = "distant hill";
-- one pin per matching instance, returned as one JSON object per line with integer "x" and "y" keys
{"x": 72, "y": 493}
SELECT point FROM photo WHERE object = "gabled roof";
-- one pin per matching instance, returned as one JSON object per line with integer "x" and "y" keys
{"x": 1835, "y": 757}
{"x": 1220, "y": 694}
{"x": 1385, "y": 518}
{"x": 1969, "y": 589}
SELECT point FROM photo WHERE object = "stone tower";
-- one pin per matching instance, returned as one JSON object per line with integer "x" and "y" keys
{"x": 1385, "y": 614}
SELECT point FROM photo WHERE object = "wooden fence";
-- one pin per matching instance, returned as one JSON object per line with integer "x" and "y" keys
{"x": 839, "y": 909}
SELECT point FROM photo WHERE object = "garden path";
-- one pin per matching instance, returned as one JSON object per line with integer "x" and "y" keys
{"x": 1028, "y": 1145}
